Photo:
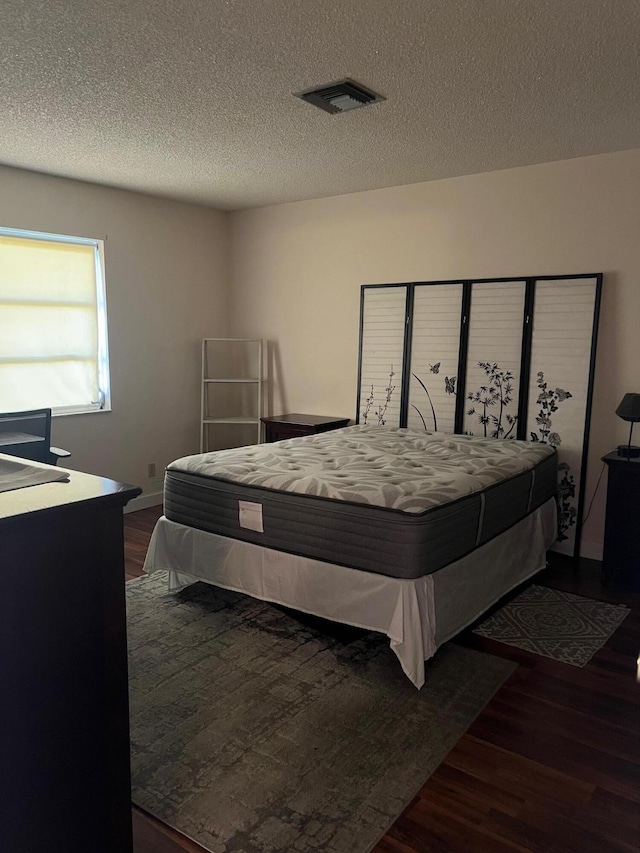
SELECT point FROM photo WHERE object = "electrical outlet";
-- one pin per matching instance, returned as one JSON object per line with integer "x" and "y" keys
{"x": 151, "y": 470}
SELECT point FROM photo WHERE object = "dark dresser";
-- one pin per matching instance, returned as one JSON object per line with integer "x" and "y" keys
{"x": 621, "y": 557}
{"x": 64, "y": 721}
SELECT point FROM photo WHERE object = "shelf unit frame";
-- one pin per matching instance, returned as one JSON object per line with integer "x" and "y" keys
{"x": 206, "y": 380}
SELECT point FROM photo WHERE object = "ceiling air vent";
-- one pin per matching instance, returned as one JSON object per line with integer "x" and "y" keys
{"x": 340, "y": 97}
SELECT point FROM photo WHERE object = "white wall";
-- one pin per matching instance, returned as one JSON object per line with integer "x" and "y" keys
{"x": 297, "y": 270}
{"x": 167, "y": 287}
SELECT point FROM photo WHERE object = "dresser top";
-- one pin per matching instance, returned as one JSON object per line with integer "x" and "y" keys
{"x": 304, "y": 420}
{"x": 80, "y": 488}
{"x": 613, "y": 459}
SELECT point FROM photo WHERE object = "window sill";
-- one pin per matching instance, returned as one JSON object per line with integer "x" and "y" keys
{"x": 79, "y": 410}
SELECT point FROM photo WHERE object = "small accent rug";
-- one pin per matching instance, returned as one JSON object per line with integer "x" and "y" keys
{"x": 555, "y": 624}
{"x": 253, "y": 733}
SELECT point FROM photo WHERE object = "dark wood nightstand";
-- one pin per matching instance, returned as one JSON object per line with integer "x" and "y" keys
{"x": 621, "y": 558}
{"x": 293, "y": 426}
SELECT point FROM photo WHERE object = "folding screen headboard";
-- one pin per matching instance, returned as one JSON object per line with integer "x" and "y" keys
{"x": 508, "y": 358}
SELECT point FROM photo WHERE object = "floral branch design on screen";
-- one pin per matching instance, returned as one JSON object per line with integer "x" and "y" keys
{"x": 380, "y": 412}
{"x": 548, "y": 401}
{"x": 497, "y": 392}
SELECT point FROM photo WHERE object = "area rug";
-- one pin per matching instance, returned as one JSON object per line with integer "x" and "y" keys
{"x": 555, "y": 624}
{"x": 252, "y": 732}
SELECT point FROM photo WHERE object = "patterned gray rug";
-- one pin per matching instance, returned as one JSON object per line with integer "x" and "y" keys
{"x": 555, "y": 624}
{"x": 253, "y": 732}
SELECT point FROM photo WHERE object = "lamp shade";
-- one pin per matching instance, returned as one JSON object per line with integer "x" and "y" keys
{"x": 629, "y": 408}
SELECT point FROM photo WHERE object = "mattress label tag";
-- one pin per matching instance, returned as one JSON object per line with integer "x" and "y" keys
{"x": 250, "y": 515}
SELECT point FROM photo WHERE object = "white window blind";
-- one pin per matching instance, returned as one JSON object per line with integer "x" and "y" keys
{"x": 53, "y": 342}
{"x": 384, "y": 317}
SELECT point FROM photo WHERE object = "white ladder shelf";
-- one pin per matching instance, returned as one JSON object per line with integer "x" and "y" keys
{"x": 238, "y": 356}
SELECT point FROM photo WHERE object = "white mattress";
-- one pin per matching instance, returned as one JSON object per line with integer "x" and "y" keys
{"x": 397, "y": 502}
{"x": 409, "y": 471}
{"x": 417, "y": 614}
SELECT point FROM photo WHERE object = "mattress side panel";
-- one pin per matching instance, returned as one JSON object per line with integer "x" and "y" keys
{"x": 504, "y": 504}
{"x": 368, "y": 538}
{"x": 545, "y": 483}
{"x": 361, "y": 536}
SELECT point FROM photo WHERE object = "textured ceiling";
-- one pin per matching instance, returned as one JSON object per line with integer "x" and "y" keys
{"x": 192, "y": 98}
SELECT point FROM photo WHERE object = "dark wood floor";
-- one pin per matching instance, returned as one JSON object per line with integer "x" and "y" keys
{"x": 551, "y": 764}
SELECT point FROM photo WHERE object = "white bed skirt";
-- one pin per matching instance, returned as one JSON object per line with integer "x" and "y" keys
{"x": 417, "y": 615}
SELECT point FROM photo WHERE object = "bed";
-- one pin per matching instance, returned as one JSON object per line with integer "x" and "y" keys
{"x": 409, "y": 533}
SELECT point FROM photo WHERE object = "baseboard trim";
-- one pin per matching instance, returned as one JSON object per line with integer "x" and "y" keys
{"x": 144, "y": 501}
{"x": 591, "y": 550}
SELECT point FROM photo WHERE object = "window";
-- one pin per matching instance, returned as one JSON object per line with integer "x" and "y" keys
{"x": 53, "y": 323}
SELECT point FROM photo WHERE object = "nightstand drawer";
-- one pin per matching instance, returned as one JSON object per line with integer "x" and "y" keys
{"x": 296, "y": 425}
{"x": 278, "y": 432}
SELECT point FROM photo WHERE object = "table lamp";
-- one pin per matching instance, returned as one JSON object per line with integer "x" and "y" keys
{"x": 629, "y": 410}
